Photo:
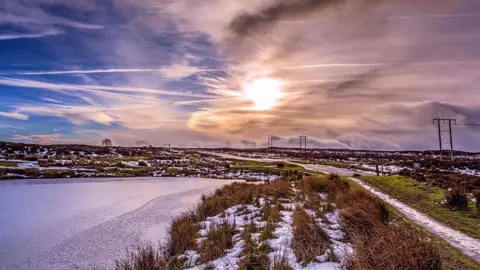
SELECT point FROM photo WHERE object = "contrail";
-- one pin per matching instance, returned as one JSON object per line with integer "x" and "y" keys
{"x": 406, "y": 17}
{"x": 434, "y": 16}
{"x": 333, "y": 65}
{"x": 97, "y": 88}
{"x": 97, "y": 71}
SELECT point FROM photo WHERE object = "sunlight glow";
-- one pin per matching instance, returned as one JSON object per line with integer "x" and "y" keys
{"x": 264, "y": 93}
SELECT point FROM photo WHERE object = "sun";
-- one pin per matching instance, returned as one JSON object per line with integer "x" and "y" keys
{"x": 264, "y": 93}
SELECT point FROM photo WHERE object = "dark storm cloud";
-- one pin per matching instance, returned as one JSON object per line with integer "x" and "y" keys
{"x": 248, "y": 23}
{"x": 247, "y": 143}
{"x": 141, "y": 143}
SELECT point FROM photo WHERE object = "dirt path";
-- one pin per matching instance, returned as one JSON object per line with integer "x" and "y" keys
{"x": 464, "y": 243}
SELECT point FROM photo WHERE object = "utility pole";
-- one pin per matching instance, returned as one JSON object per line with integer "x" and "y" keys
{"x": 445, "y": 137}
{"x": 270, "y": 140}
{"x": 303, "y": 141}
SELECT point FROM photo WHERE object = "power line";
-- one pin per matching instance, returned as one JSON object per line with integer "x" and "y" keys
{"x": 445, "y": 136}
{"x": 271, "y": 139}
{"x": 303, "y": 141}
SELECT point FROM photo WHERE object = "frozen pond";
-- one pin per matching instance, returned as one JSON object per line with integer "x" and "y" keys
{"x": 83, "y": 223}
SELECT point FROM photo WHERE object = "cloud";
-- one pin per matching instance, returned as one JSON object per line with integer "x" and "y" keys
{"x": 173, "y": 72}
{"x": 31, "y": 14}
{"x": 35, "y": 35}
{"x": 38, "y": 139}
{"x": 141, "y": 143}
{"x": 249, "y": 23}
{"x": 345, "y": 141}
{"x": 94, "y": 88}
{"x": 355, "y": 75}
{"x": 435, "y": 16}
{"x": 10, "y": 126}
{"x": 14, "y": 115}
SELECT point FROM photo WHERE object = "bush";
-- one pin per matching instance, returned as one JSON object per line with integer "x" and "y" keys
{"x": 31, "y": 158}
{"x": 457, "y": 197}
{"x": 476, "y": 194}
{"x": 142, "y": 163}
{"x": 281, "y": 165}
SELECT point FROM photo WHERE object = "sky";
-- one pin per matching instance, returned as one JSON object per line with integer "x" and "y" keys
{"x": 359, "y": 74}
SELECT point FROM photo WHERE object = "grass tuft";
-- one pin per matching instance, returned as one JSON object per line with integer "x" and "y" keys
{"x": 309, "y": 240}
{"x": 218, "y": 240}
{"x": 182, "y": 233}
{"x": 143, "y": 258}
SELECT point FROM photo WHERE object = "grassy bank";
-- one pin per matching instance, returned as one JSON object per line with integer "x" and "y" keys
{"x": 316, "y": 221}
{"x": 8, "y": 163}
{"x": 427, "y": 199}
{"x": 451, "y": 257}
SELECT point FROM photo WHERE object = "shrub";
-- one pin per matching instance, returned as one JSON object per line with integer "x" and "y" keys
{"x": 384, "y": 211}
{"x": 280, "y": 165}
{"x": 31, "y": 158}
{"x": 476, "y": 194}
{"x": 142, "y": 163}
{"x": 457, "y": 197}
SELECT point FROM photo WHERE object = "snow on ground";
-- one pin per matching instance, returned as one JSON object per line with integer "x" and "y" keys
{"x": 284, "y": 233}
{"x": 281, "y": 245}
{"x": 238, "y": 215}
{"x": 466, "y": 244}
{"x": 22, "y": 164}
{"x": 468, "y": 171}
{"x": 383, "y": 168}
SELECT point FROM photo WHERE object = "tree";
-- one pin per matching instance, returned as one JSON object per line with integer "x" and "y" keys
{"x": 107, "y": 142}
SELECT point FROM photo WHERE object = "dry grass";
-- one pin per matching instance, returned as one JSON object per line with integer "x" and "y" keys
{"x": 398, "y": 247}
{"x": 143, "y": 258}
{"x": 240, "y": 193}
{"x": 380, "y": 242}
{"x": 182, "y": 233}
{"x": 271, "y": 212}
{"x": 309, "y": 240}
{"x": 267, "y": 232}
{"x": 218, "y": 240}
{"x": 281, "y": 263}
{"x": 313, "y": 185}
{"x": 253, "y": 257}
